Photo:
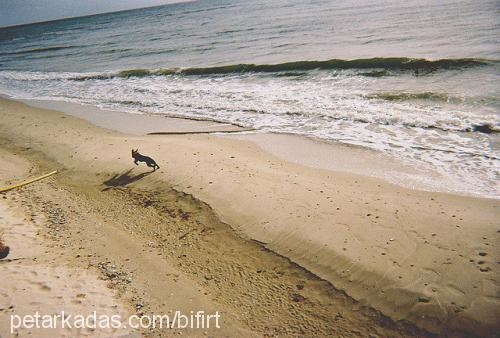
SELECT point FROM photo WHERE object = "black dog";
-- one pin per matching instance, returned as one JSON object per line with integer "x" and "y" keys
{"x": 141, "y": 158}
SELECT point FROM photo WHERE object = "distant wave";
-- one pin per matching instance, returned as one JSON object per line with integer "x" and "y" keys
{"x": 38, "y": 50}
{"x": 383, "y": 65}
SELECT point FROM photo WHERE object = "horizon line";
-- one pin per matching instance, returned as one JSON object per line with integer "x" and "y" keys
{"x": 95, "y": 14}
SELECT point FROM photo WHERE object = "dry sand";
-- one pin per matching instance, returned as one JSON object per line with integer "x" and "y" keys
{"x": 36, "y": 277}
{"x": 208, "y": 218}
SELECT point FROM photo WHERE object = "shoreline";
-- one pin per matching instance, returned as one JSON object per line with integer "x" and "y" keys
{"x": 363, "y": 226}
{"x": 299, "y": 149}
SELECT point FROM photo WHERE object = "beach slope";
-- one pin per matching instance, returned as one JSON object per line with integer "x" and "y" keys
{"x": 423, "y": 257}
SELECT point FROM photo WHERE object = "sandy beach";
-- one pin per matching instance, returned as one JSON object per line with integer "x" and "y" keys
{"x": 278, "y": 246}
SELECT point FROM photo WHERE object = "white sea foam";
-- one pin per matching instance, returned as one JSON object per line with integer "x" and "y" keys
{"x": 430, "y": 134}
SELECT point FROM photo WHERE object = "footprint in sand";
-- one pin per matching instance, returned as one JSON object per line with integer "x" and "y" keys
{"x": 43, "y": 287}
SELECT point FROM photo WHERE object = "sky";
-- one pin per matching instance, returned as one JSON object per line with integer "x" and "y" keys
{"x": 16, "y": 12}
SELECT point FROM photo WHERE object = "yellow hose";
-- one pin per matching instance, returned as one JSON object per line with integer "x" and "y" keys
{"x": 13, "y": 186}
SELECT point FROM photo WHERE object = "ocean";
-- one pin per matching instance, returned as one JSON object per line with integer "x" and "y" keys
{"x": 416, "y": 80}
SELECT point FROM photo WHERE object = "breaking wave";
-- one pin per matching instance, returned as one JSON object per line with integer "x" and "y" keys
{"x": 383, "y": 67}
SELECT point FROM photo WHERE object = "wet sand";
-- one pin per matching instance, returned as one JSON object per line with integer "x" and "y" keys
{"x": 279, "y": 247}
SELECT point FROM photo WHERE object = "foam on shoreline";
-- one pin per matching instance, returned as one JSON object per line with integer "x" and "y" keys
{"x": 300, "y": 149}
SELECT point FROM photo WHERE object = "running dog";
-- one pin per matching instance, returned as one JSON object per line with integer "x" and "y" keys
{"x": 141, "y": 158}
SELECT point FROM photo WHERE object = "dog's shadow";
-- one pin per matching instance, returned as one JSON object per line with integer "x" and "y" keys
{"x": 124, "y": 179}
